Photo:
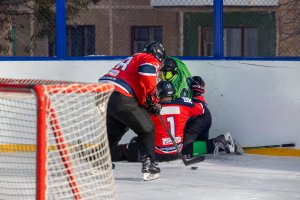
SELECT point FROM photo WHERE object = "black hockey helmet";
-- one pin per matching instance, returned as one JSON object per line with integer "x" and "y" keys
{"x": 156, "y": 49}
{"x": 169, "y": 69}
{"x": 198, "y": 81}
{"x": 165, "y": 89}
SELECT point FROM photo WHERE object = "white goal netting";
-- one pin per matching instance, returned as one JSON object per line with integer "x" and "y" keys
{"x": 53, "y": 140}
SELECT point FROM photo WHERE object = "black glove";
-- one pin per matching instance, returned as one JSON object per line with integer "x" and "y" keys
{"x": 152, "y": 105}
{"x": 197, "y": 86}
{"x": 154, "y": 109}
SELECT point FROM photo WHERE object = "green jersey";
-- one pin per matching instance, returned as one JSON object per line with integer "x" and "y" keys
{"x": 182, "y": 80}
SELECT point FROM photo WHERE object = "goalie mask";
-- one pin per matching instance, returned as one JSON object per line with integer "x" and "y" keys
{"x": 165, "y": 89}
{"x": 156, "y": 49}
{"x": 169, "y": 70}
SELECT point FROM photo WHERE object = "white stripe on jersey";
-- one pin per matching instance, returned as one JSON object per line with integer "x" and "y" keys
{"x": 114, "y": 83}
{"x": 170, "y": 110}
{"x": 147, "y": 74}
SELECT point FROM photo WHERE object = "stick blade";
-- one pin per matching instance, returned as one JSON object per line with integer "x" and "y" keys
{"x": 193, "y": 160}
{"x": 288, "y": 145}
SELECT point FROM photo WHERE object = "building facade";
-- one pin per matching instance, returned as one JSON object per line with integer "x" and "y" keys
{"x": 122, "y": 27}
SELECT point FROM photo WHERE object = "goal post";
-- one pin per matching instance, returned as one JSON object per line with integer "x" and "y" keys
{"x": 53, "y": 140}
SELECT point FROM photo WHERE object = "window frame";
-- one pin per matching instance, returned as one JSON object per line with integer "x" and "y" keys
{"x": 202, "y": 50}
{"x": 148, "y": 39}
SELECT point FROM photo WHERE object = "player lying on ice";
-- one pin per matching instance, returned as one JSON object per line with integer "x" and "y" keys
{"x": 189, "y": 121}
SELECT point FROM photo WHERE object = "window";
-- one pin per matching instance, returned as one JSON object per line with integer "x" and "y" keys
{"x": 207, "y": 41}
{"x": 250, "y": 42}
{"x": 143, "y": 34}
{"x": 238, "y": 41}
{"x": 232, "y": 42}
{"x": 80, "y": 41}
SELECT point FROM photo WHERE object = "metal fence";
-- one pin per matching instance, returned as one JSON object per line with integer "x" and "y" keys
{"x": 193, "y": 28}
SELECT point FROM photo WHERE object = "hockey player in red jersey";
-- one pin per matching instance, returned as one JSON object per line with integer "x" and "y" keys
{"x": 189, "y": 121}
{"x": 175, "y": 114}
{"x": 135, "y": 80}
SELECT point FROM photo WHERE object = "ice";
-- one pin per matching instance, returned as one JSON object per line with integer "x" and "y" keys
{"x": 229, "y": 177}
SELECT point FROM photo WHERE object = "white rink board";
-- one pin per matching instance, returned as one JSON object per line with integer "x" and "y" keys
{"x": 257, "y": 101}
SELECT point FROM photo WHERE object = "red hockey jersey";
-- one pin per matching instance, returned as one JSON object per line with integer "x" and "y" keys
{"x": 175, "y": 114}
{"x": 134, "y": 76}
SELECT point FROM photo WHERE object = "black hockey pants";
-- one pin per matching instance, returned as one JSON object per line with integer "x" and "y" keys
{"x": 124, "y": 113}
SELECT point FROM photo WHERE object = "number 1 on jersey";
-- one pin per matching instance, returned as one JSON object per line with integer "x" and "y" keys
{"x": 171, "y": 122}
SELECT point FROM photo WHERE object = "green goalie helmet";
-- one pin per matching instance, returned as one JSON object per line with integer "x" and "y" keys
{"x": 169, "y": 70}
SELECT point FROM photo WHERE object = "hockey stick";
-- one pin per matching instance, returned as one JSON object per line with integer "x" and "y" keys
{"x": 271, "y": 146}
{"x": 186, "y": 161}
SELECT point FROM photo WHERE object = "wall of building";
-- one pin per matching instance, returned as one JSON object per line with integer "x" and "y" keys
{"x": 257, "y": 101}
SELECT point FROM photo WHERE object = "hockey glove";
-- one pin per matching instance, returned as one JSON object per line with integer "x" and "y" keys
{"x": 152, "y": 105}
{"x": 152, "y": 98}
{"x": 154, "y": 109}
{"x": 197, "y": 86}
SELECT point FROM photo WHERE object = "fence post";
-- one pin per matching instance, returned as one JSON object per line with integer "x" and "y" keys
{"x": 218, "y": 29}
{"x": 61, "y": 29}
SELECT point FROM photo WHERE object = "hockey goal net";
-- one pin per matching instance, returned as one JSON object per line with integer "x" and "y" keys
{"x": 53, "y": 140}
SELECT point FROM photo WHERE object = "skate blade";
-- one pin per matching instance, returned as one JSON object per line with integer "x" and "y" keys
{"x": 238, "y": 148}
{"x": 149, "y": 176}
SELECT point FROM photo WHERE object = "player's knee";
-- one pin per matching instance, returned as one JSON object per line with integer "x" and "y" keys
{"x": 149, "y": 129}
{"x": 146, "y": 128}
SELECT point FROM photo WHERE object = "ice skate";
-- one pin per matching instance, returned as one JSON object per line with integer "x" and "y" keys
{"x": 238, "y": 148}
{"x": 233, "y": 145}
{"x": 228, "y": 144}
{"x": 149, "y": 176}
{"x": 230, "y": 148}
{"x": 149, "y": 169}
{"x": 219, "y": 144}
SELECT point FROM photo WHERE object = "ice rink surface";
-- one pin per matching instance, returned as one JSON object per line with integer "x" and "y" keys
{"x": 229, "y": 177}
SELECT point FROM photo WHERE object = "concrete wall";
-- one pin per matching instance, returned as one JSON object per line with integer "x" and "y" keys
{"x": 257, "y": 101}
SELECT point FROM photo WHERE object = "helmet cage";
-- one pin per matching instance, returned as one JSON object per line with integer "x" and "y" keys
{"x": 169, "y": 70}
